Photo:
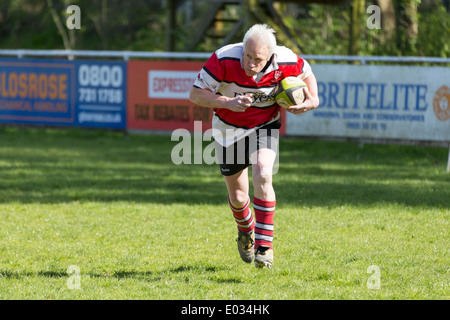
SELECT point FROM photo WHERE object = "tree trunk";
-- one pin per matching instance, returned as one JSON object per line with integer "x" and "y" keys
{"x": 407, "y": 26}
{"x": 68, "y": 36}
{"x": 387, "y": 18}
{"x": 357, "y": 12}
{"x": 57, "y": 20}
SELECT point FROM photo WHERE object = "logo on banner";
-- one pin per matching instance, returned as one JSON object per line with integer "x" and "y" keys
{"x": 441, "y": 103}
{"x": 170, "y": 84}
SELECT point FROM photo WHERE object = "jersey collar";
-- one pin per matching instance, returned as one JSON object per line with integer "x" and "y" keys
{"x": 271, "y": 65}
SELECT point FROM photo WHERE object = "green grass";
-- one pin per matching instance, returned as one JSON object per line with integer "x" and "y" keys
{"x": 139, "y": 227}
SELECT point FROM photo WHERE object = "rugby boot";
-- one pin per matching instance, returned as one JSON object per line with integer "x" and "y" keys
{"x": 263, "y": 257}
{"x": 245, "y": 244}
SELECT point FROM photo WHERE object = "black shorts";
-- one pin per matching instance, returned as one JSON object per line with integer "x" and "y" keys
{"x": 237, "y": 156}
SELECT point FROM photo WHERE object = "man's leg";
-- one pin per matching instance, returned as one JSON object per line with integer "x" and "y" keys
{"x": 239, "y": 201}
{"x": 238, "y": 188}
{"x": 264, "y": 202}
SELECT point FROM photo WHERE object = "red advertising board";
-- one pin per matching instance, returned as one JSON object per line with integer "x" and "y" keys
{"x": 158, "y": 96}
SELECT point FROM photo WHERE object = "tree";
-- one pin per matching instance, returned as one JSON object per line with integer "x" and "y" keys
{"x": 68, "y": 35}
{"x": 357, "y": 11}
{"x": 387, "y": 18}
{"x": 407, "y": 26}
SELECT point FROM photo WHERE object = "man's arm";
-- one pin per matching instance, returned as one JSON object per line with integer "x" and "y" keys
{"x": 209, "y": 99}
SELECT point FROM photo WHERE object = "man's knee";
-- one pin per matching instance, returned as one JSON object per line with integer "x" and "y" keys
{"x": 262, "y": 173}
{"x": 238, "y": 198}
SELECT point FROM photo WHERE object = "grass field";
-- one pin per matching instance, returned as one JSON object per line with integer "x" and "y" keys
{"x": 136, "y": 226}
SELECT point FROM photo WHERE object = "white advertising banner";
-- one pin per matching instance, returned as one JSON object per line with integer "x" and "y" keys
{"x": 378, "y": 102}
{"x": 169, "y": 84}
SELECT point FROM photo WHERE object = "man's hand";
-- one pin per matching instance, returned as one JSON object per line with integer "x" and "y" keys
{"x": 207, "y": 98}
{"x": 240, "y": 103}
{"x": 309, "y": 104}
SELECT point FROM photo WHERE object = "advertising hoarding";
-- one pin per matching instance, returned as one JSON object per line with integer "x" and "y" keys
{"x": 63, "y": 93}
{"x": 158, "y": 96}
{"x": 408, "y": 103}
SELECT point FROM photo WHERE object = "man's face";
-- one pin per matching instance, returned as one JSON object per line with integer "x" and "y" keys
{"x": 255, "y": 57}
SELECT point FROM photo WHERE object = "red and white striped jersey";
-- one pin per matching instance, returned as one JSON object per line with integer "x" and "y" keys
{"x": 223, "y": 74}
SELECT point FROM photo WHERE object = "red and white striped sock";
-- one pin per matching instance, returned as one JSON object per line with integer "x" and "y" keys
{"x": 264, "y": 212}
{"x": 243, "y": 217}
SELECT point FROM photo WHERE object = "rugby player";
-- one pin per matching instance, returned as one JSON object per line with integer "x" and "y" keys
{"x": 238, "y": 82}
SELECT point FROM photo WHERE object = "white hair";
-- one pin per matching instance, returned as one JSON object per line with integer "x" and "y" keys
{"x": 263, "y": 34}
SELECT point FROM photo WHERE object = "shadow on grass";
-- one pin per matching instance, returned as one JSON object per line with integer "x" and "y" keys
{"x": 61, "y": 184}
{"x": 105, "y": 167}
{"x": 188, "y": 270}
{"x": 361, "y": 193}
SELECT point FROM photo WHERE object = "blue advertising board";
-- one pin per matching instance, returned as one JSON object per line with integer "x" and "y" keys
{"x": 63, "y": 93}
{"x": 101, "y": 94}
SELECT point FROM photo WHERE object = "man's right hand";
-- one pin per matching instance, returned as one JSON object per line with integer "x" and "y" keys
{"x": 240, "y": 103}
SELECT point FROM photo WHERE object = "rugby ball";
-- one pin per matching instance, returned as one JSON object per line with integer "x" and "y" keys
{"x": 289, "y": 92}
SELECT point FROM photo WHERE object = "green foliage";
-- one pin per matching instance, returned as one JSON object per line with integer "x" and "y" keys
{"x": 325, "y": 30}
{"x": 322, "y": 29}
{"x": 105, "y": 25}
{"x": 141, "y": 25}
{"x": 434, "y": 35}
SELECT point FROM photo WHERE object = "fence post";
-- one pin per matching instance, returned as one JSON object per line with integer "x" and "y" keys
{"x": 448, "y": 161}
